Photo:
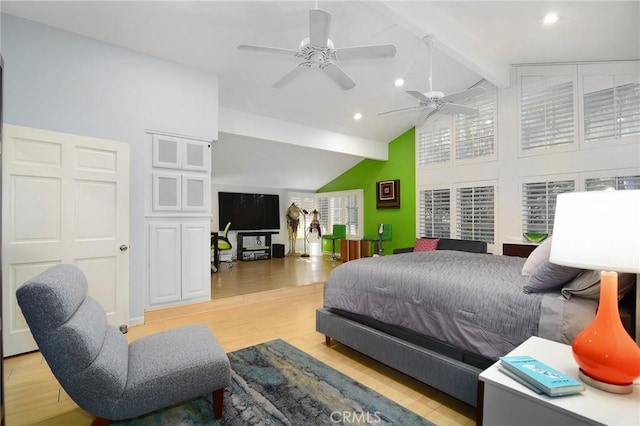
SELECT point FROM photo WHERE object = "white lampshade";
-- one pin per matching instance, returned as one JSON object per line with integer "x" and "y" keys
{"x": 598, "y": 230}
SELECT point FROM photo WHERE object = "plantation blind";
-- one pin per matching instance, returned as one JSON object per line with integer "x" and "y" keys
{"x": 475, "y": 213}
{"x": 474, "y": 135}
{"x": 340, "y": 208}
{"x": 434, "y": 144}
{"x": 617, "y": 182}
{"x": 613, "y": 111}
{"x": 546, "y": 111}
{"x": 539, "y": 204}
{"x": 435, "y": 213}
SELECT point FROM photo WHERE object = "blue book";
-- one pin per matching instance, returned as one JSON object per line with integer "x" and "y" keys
{"x": 550, "y": 381}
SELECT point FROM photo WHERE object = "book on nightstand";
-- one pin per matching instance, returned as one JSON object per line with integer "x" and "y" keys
{"x": 541, "y": 376}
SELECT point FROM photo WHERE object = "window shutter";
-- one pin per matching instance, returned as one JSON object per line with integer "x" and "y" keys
{"x": 323, "y": 208}
{"x": 435, "y": 213}
{"x": 546, "y": 111}
{"x": 539, "y": 204}
{"x": 434, "y": 145}
{"x": 611, "y": 112}
{"x": 475, "y": 213}
{"x": 618, "y": 182}
{"x": 475, "y": 134}
{"x": 352, "y": 214}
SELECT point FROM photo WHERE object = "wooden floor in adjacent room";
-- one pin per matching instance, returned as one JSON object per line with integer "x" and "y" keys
{"x": 252, "y": 303}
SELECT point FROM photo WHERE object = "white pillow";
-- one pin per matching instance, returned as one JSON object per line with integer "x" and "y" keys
{"x": 537, "y": 257}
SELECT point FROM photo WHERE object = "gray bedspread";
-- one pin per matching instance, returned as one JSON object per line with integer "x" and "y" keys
{"x": 473, "y": 301}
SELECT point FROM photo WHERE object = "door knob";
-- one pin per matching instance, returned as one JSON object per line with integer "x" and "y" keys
{"x": 124, "y": 247}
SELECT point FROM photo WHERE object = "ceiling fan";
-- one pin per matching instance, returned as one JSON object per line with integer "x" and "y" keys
{"x": 432, "y": 101}
{"x": 318, "y": 50}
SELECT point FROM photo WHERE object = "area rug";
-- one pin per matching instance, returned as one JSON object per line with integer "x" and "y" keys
{"x": 276, "y": 384}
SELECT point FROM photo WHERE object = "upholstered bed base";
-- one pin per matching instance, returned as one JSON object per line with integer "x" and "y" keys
{"x": 448, "y": 375}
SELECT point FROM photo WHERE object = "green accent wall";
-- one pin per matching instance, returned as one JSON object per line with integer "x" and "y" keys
{"x": 364, "y": 175}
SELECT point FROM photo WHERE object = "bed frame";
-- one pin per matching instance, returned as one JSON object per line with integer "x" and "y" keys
{"x": 451, "y": 376}
{"x": 441, "y": 371}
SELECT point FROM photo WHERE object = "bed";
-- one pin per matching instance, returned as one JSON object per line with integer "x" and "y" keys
{"x": 443, "y": 316}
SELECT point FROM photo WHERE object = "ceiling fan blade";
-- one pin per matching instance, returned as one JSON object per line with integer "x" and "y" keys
{"x": 357, "y": 52}
{"x": 339, "y": 77}
{"x": 267, "y": 49}
{"x": 419, "y": 96}
{"x": 399, "y": 109}
{"x": 460, "y": 109}
{"x": 422, "y": 117}
{"x": 465, "y": 94}
{"x": 286, "y": 79}
{"x": 319, "y": 23}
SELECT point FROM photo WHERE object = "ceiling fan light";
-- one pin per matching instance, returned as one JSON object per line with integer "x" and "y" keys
{"x": 550, "y": 18}
{"x": 399, "y": 82}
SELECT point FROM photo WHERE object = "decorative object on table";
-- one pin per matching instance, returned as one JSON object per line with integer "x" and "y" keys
{"x": 608, "y": 357}
{"x": 293, "y": 221}
{"x": 388, "y": 194}
{"x": 383, "y": 233}
{"x": 276, "y": 383}
{"x": 541, "y": 376}
{"x": 535, "y": 237}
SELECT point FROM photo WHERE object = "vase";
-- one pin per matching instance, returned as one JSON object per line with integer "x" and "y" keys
{"x": 608, "y": 357}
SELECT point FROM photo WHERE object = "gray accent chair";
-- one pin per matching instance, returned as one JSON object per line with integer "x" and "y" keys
{"x": 100, "y": 370}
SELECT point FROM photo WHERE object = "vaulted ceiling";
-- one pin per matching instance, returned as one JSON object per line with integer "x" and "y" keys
{"x": 474, "y": 40}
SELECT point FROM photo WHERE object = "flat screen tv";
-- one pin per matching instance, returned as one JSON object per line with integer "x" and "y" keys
{"x": 249, "y": 212}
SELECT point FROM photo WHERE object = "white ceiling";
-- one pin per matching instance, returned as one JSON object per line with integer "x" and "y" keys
{"x": 475, "y": 40}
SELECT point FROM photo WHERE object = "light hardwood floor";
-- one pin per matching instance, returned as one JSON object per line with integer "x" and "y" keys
{"x": 286, "y": 310}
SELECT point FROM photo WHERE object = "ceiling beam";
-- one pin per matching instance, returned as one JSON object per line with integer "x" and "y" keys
{"x": 260, "y": 127}
{"x": 423, "y": 19}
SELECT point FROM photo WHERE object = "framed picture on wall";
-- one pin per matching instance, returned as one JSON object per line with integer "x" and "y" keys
{"x": 388, "y": 194}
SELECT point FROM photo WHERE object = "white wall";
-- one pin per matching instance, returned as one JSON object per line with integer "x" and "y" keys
{"x": 60, "y": 81}
{"x": 509, "y": 168}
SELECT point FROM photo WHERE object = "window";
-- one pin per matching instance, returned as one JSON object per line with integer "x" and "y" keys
{"x": 611, "y": 106}
{"x": 469, "y": 136}
{"x": 475, "y": 213}
{"x": 435, "y": 213}
{"x": 475, "y": 133}
{"x": 546, "y": 111}
{"x": 539, "y": 204}
{"x": 617, "y": 182}
{"x": 434, "y": 144}
{"x": 341, "y": 208}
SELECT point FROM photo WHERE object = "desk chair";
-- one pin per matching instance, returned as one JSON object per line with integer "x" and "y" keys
{"x": 378, "y": 238}
{"x": 339, "y": 232}
{"x": 222, "y": 243}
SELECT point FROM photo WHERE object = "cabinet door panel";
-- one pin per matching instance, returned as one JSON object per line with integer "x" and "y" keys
{"x": 167, "y": 152}
{"x": 167, "y": 191}
{"x": 165, "y": 266}
{"x": 196, "y": 156}
{"x": 196, "y": 258}
{"x": 196, "y": 193}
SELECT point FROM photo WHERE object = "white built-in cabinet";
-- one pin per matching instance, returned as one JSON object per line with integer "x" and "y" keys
{"x": 178, "y": 216}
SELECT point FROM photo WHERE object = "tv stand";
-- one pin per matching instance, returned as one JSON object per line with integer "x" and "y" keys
{"x": 254, "y": 245}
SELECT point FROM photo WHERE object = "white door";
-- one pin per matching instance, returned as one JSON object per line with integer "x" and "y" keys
{"x": 164, "y": 260}
{"x": 65, "y": 199}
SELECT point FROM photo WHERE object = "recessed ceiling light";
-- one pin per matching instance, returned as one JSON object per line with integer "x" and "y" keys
{"x": 357, "y": 116}
{"x": 399, "y": 82}
{"x": 550, "y": 18}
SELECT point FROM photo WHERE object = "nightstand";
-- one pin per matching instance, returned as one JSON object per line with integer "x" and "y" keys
{"x": 519, "y": 250}
{"x": 504, "y": 401}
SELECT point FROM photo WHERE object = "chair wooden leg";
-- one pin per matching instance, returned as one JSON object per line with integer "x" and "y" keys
{"x": 100, "y": 421}
{"x": 218, "y": 397}
{"x": 327, "y": 340}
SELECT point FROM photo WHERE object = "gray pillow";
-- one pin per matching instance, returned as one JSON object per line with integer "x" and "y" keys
{"x": 549, "y": 276}
{"x": 587, "y": 285}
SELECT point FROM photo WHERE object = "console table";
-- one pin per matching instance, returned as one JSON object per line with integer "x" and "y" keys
{"x": 254, "y": 245}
